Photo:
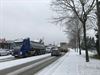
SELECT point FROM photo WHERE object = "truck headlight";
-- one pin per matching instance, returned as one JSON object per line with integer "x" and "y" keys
{"x": 20, "y": 53}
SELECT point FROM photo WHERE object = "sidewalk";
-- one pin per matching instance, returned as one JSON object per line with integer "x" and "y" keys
{"x": 72, "y": 64}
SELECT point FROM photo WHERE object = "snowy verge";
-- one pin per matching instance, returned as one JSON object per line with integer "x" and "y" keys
{"x": 5, "y": 57}
{"x": 72, "y": 64}
{"x": 13, "y": 63}
{"x": 49, "y": 70}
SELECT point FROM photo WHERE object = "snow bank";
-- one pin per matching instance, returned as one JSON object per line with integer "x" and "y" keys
{"x": 9, "y": 64}
{"x": 72, "y": 64}
{"x": 5, "y": 57}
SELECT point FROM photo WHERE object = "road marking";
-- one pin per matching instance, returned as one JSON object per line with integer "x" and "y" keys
{"x": 16, "y": 72}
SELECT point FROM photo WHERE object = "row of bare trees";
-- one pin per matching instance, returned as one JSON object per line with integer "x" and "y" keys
{"x": 74, "y": 29}
{"x": 77, "y": 16}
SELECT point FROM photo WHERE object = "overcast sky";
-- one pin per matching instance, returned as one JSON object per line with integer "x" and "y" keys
{"x": 28, "y": 18}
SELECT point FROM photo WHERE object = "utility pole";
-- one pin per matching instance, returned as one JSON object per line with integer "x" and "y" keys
{"x": 98, "y": 20}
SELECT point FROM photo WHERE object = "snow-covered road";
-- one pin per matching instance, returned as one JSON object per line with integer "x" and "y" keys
{"x": 26, "y": 66}
{"x": 6, "y": 58}
{"x": 9, "y": 64}
{"x": 72, "y": 64}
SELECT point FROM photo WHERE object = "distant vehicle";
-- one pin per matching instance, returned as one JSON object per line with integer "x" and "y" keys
{"x": 63, "y": 47}
{"x": 28, "y": 48}
{"x": 48, "y": 49}
{"x": 3, "y": 52}
{"x": 55, "y": 51}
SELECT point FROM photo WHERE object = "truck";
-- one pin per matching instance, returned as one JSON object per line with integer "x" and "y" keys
{"x": 28, "y": 48}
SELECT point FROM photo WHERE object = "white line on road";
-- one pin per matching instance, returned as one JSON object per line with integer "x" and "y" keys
{"x": 16, "y": 72}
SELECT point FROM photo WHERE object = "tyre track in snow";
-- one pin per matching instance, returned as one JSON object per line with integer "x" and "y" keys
{"x": 38, "y": 67}
{"x": 7, "y": 59}
{"x": 43, "y": 62}
{"x": 8, "y": 70}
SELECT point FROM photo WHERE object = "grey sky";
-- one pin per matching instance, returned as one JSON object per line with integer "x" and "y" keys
{"x": 28, "y": 18}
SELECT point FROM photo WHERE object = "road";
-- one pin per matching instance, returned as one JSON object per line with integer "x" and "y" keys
{"x": 29, "y": 68}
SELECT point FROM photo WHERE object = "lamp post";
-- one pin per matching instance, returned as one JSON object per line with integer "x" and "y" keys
{"x": 98, "y": 21}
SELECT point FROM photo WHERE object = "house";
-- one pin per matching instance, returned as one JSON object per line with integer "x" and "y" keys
{"x": 5, "y": 44}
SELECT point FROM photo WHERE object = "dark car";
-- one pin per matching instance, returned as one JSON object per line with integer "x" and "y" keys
{"x": 55, "y": 51}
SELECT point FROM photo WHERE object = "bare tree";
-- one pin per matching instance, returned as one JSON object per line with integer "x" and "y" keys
{"x": 74, "y": 29}
{"x": 82, "y": 8}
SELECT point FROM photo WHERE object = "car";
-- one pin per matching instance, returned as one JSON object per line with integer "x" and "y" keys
{"x": 48, "y": 49}
{"x": 3, "y": 52}
{"x": 55, "y": 52}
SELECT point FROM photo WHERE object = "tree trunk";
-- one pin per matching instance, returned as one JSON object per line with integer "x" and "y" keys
{"x": 79, "y": 43}
{"x": 75, "y": 44}
{"x": 97, "y": 46}
{"x": 85, "y": 41}
{"x": 98, "y": 24}
{"x": 99, "y": 34}
{"x": 79, "y": 46}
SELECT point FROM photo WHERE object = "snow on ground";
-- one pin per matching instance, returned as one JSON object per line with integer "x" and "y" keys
{"x": 9, "y": 64}
{"x": 72, "y": 64}
{"x": 5, "y": 57}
